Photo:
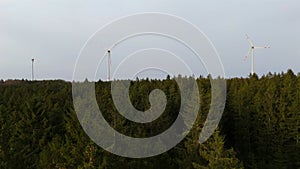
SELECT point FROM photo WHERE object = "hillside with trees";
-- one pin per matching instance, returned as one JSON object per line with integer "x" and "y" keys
{"x": 259, "y": 128}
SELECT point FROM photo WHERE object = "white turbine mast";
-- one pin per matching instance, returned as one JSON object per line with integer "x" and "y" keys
{"x": 32, "y": 69}
{"x": 108, "y": 64}
{"x": 252, "y": 48}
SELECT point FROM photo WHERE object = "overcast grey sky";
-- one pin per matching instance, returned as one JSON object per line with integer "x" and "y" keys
{"x": 54, "y": 31}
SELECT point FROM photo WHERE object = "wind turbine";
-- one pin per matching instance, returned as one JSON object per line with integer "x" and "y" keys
{"x": 108, "y": 64}
{"x": 108, "y": 79}
{"x": 252, "y": 47}
{"x": 32, "y": 69}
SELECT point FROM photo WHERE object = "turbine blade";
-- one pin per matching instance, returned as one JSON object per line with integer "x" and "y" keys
{"x": 261, "y": 47}
{"x": 249, "y": 40}
{"x": 247, "y": 55}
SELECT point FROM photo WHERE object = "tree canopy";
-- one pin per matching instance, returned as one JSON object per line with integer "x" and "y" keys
{"x": 259, "y": 129}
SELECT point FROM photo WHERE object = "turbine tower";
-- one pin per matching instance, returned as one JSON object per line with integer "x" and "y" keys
{"x": 252, "y": 47}
{"x": 32, "y": 69}
{"x": 108, "y": 64}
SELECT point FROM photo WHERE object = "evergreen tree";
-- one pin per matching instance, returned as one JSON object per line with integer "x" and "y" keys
{"x": 215, "y": 155}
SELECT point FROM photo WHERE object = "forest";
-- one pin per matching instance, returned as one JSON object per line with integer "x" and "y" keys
{"x": 259, "y": 128}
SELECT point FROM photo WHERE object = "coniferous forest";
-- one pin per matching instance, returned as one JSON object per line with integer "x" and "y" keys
{"x": 259, "y": 128}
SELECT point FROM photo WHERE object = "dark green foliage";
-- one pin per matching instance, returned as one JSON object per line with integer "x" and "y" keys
{"x": 259, "y": 129}
{"x": 261, "y": 120}
{"x": 215, "y": 156}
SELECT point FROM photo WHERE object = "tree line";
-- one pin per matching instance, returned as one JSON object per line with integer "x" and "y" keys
{"x": 259, "y": 128}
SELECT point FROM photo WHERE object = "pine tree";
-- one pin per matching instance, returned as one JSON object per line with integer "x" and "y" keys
{"x": 215, "y": 155}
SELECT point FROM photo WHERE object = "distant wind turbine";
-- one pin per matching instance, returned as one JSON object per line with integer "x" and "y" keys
{"x": 252, "y": 47}
{"x": 108, "y": 64}
{"x": 32, "y": 69}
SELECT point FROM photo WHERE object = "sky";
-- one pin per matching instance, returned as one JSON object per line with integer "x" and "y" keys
{"x": 54, "y": 32}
